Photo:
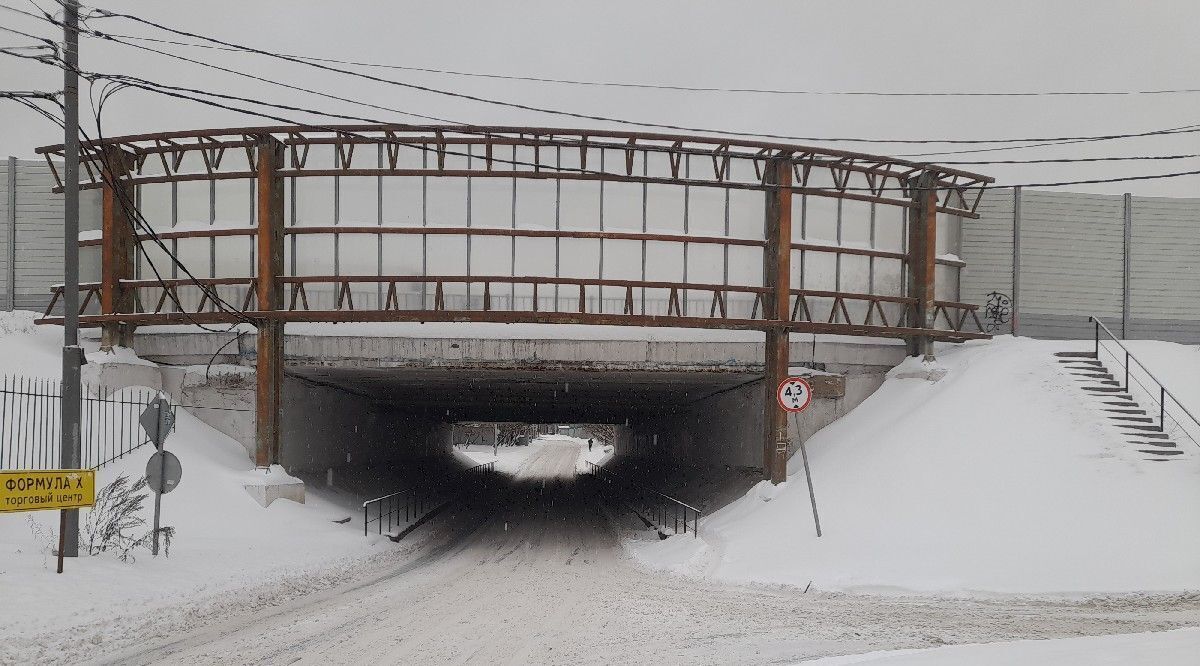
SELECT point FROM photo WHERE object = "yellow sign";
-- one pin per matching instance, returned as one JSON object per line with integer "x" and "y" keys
{"x": 37, "y": 489}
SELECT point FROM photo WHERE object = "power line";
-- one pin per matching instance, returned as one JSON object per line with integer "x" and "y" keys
{"x": 526, "y": 107}
{"x": 672, "y": 86}
{"x": 227, "y": 46}
{"x": 179, "y": 92}
{"x": 97, "y": 34}
{"x": 174, "y": 91}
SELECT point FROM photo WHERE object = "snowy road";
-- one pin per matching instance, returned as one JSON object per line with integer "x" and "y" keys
{"x": 544, "y": 580}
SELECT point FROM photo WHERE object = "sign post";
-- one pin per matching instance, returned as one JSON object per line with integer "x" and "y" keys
{"x": 163, "y": 470}
{"x": 37, "y": 490}
{"x": 795, "y": 395}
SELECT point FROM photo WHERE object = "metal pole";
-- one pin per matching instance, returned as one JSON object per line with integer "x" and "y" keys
{"x": 72, "y": 352}
{"x": 1126, "y": 266}
{"x": 812, "y": 498}
{"x": 1016, "y": 262}
{"x": 162, "y": 476}
{"x": 11, "y": 235}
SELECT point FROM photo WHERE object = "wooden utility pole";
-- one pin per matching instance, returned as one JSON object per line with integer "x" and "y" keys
{"x": 777, "y": 277}
{"x": 269, "y": 293}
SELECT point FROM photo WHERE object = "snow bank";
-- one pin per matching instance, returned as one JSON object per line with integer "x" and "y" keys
{"x": 224, "y": 540}
{"x": 999, "y": 477}
{"x": 1163, "y": 648}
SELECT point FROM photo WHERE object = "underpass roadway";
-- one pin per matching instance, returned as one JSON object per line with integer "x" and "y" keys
{"x": 532, "y": 571}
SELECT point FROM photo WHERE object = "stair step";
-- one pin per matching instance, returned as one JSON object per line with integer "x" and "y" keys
{"x": 1160, "y": 443}
{"x": 1120, "y": 403}
{"x": 1132, "y": 419}
{"x": 1093, "y": 375}
{"x": 1083, "y": 362}
{"x": 1105, "y": 389}
{"x": 1162, "y": 453}
{"x": 1116, "y": 410}
{"x": 1134, "y": 426}
{"x": 1149, "y": 435}
{"x": 1075, "y": 354}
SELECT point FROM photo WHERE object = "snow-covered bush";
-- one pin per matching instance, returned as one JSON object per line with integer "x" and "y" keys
{"x": 112, "y": 522}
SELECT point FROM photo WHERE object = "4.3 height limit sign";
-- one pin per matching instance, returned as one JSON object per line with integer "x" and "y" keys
{"x": 795, "y": 395}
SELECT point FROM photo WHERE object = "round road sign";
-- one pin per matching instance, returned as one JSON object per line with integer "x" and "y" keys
{"x": 794, "y": 394}
{"x": 162, "y": 476}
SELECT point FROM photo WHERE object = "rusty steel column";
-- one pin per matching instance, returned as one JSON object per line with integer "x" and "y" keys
{"x": 922, "y": 259}
{"x": 118, "y": 246}
{"x": 777, "y": 276}
{"x": 269, "y": 294}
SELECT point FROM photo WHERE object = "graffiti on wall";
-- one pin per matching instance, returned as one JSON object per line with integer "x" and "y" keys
{"x": 997, "y": 312}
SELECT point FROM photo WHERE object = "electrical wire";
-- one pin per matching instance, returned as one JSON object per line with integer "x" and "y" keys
{"x": 103, "y": 13}
{"x": 298, "y": 59}
{"x": 672, "y": 86}
{"x": 100, "y": 35}
{"x": 175, "y": 91}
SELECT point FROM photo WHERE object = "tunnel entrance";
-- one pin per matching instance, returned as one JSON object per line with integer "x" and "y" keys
{"x": 374, "y": 430}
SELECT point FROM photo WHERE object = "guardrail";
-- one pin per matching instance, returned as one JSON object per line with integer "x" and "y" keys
{"x": 663, "y": 510}
{"x": 1163, "y": 394}
{"x": 413, "y": 503}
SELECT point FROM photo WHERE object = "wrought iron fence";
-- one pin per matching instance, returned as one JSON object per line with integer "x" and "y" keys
{"x": 30, "y": 423}
{"x": 662, "y": 511}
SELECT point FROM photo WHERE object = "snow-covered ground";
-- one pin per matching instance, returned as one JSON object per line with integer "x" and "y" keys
{"x": 1001, "y": 476}
{"x": 509, "y": 459}
{"x": 1180, "y": 647}
{"x": 228, "y": 551}
{"x": 997, "y": 477}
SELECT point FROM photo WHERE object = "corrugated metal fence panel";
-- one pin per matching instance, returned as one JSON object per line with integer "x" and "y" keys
{"x": 39, "y": 235}
{"x": 987, "y": 245}
{"x": 1165, "y": 269}
{"x": 1072, "y": 259}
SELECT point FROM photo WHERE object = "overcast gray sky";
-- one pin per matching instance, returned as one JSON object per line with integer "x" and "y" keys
{"x": 917, "y": 45}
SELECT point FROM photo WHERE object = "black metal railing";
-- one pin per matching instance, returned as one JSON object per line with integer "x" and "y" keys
{"x": 661, "y": 510}
{"x": 30, "y": 423}
{"x": 412, "y": 503}
{"x": 1186, "y": 424}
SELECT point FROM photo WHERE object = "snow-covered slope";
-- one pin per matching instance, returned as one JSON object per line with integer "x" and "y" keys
{"x": 997, "y": 477}
{"x": 224, "y": 542}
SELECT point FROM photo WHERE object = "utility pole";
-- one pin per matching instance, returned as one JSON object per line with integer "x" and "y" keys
{"x": 68, "y": 540}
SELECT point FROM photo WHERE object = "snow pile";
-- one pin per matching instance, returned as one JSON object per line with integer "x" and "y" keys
{"x": 1000, "y": 476}
{"x": 1163, "y": 648}
{"x": 224, "y": 541}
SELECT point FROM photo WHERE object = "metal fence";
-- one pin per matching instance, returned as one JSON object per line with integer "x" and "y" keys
{"x": 662, "y": 511}
{"x": 1042, "y": 262}
{"x": 413, "y": 503}
{"x": 30, "y": 423}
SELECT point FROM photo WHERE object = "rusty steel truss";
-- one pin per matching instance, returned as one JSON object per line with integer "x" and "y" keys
{"x": 273, "y": 156}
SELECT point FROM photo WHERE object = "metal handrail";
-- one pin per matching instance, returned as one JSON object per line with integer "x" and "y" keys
{"x": 1163, "y": 391}
{"x": 661, "y": 513}
{"x": 414, "y": 500}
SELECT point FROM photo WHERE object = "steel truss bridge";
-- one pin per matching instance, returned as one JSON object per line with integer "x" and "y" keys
{"x": 276, "y": 158}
